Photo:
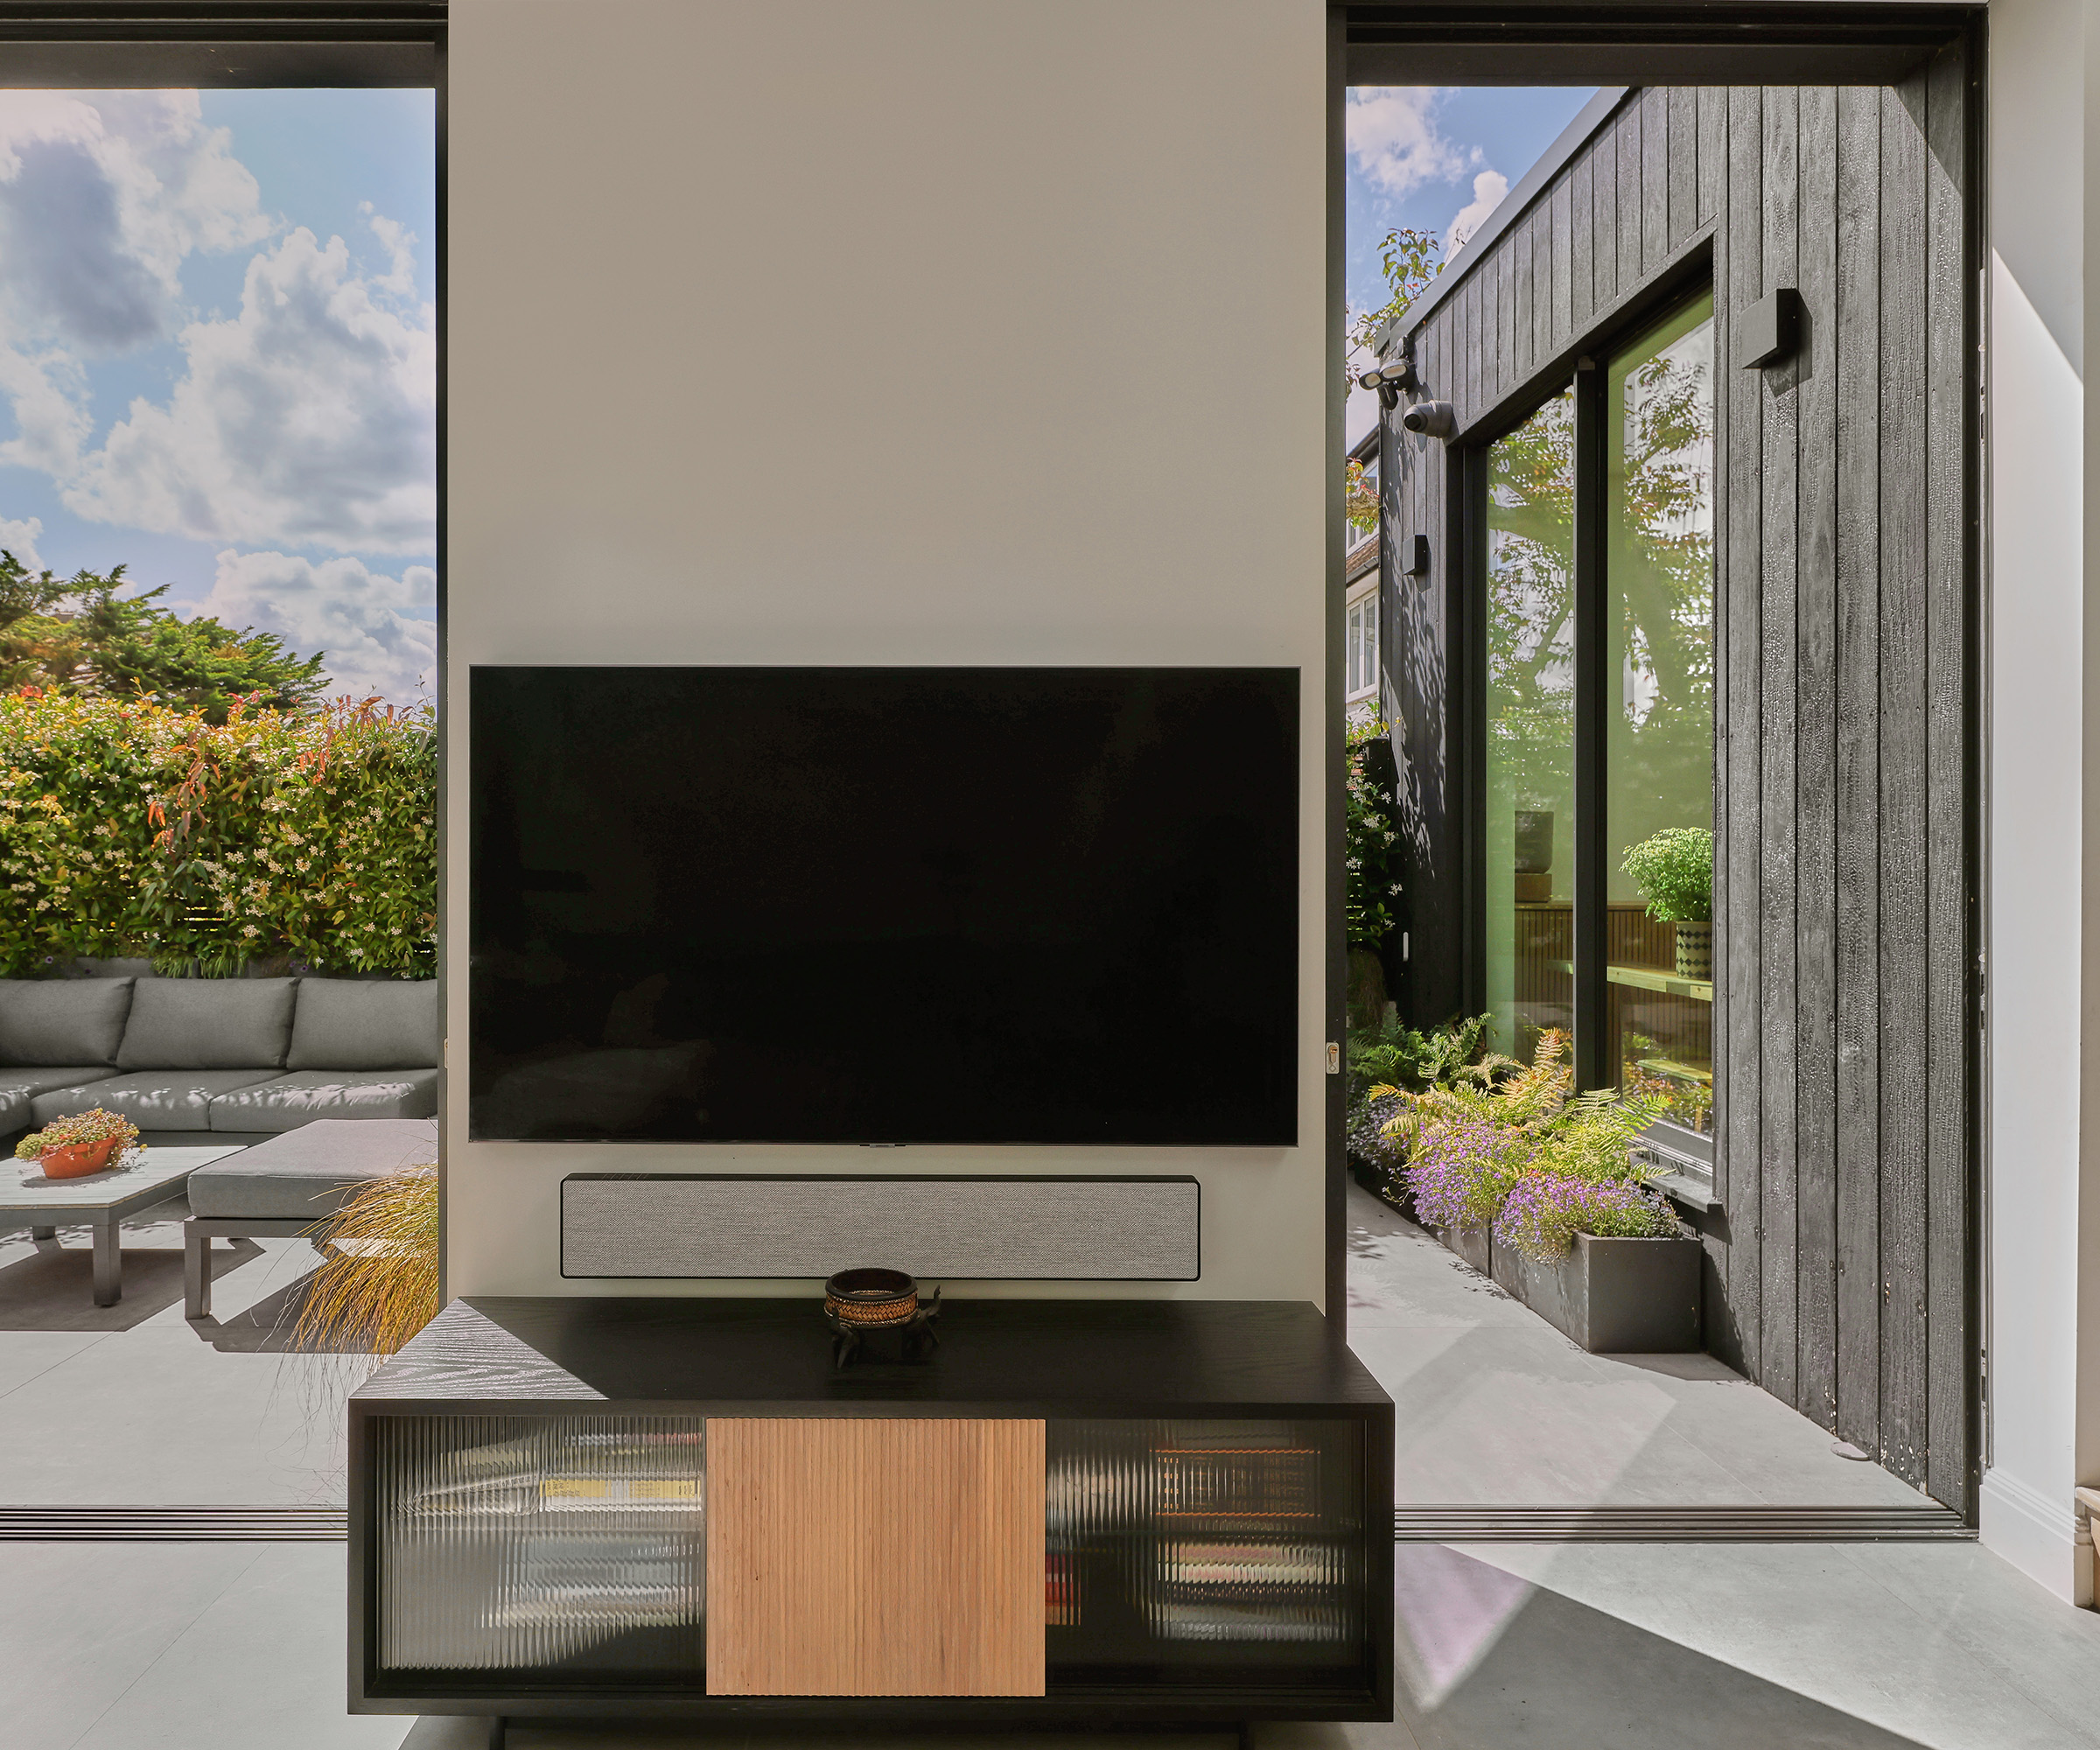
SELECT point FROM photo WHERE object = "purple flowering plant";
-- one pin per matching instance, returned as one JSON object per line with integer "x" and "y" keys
{"x": 1458, "y": 1171}
{"x": 1472, "y": 1150}
{"x": 1544, "y": 1211}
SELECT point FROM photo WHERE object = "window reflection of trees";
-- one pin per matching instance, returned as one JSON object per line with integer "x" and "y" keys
{"x": 1531, "y": 602}
{"x": 1662, "y": 574}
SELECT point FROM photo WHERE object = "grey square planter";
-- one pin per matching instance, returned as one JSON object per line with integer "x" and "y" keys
{"x": 1613, "y": 1297}
{"x": 1475, "y": 1245}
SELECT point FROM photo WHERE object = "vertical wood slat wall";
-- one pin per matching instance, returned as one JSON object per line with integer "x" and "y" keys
{"x": 1841, "y": 1266}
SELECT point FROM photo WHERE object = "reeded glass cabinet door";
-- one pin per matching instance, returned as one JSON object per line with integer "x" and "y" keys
{"x": 1211, "y": 1553}
{"x": 571, "y": 1545}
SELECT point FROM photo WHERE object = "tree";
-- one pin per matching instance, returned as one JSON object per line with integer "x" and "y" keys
{"x": 80, "y": 635}
{"x": 1410, "y": 262}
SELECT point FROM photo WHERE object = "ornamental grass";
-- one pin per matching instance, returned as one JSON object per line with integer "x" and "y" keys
{"x": 377, "y": 1286}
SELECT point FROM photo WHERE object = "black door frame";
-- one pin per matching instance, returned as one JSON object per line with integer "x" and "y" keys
{"x": 1481, "y": 42}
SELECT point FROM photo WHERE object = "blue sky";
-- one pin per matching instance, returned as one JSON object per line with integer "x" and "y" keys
{"x": 1435, "y": 158}
{"x": 218, "y": 358}
{"x": 217, "y": 336}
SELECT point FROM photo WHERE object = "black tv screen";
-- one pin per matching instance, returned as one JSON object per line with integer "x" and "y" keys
{"x": 884, "y": 904}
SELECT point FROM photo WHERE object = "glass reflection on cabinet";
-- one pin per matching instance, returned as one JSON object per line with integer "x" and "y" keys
{"x": 1187, "y": 1547}
{"x": 572, "y": 1543}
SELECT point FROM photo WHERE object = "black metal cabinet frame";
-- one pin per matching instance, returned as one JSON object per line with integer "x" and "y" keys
{"x": 1185, "y": 1362}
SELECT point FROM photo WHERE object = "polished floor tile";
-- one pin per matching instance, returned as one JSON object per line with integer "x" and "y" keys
{"x": 160, "y": 1416}
{"x": 1803, "y": 1638}
{"x": 81, "y": 1622}
{"x": 260, "y": 1666}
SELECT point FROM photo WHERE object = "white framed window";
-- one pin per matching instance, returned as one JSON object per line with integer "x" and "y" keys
{"x": 1361, "y": 643}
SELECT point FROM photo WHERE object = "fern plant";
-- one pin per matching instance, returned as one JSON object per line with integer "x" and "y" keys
{"x": 1524, "y": 1100}
{"x": 1468, "y": 1148}
{"x": 1395, "y": 1055}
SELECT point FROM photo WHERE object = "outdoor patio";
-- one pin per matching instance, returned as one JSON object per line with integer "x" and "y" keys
{"x": 131, "y": 1404}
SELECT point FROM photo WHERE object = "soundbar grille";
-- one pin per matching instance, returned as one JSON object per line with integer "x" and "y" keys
{"x": 745, "y": 1227}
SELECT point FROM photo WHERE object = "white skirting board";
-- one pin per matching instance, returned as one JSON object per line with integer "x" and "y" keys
{"x": 938, "y": 1229}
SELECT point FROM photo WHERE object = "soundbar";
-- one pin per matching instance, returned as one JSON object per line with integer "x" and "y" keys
{"x": 986, "y": 1228}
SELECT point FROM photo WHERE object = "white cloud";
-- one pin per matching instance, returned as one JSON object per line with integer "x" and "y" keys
{"x": 1392, "y": 134}
{"x": 19, "y": 536}
{"x": 102, "y": 196}
{"x": 49, "y": 393}
{"x": 308, "y": 420}
{"x": 400, "y": 244}
{"x": 376, "y": 630}
{"x": 1488, "y": 188}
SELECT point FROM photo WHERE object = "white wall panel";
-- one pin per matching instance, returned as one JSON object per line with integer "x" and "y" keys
{"x": 924, "y": 332}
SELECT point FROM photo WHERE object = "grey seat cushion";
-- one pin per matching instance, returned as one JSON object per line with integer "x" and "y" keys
{"x": 208, "y": 1024}
{"x": 152, "y": 1099}
{"x": 19, "y": 1087}
{"x": 309, "y": 1095}
{"x": 365, "y": 1024}
{"x": 310, "y": 1172}
{"x": 58, "y": 1021}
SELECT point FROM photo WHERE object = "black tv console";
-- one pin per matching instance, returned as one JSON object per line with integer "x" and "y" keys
{"x": 1074, "y": 1511}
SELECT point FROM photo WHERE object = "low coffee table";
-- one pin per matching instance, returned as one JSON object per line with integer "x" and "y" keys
{"x": 102, "y": 1199}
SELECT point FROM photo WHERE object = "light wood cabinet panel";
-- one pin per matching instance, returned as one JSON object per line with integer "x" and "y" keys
{"x": 864, "y": 1556}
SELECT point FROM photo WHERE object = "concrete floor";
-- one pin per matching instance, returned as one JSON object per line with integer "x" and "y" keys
{"x": 132, "y": 1404}
{"x": 1595, "y": 1647}
{"x": 1494, "y": 1405}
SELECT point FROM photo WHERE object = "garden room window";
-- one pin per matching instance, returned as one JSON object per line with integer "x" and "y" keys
{"x": 1597, "y": 749}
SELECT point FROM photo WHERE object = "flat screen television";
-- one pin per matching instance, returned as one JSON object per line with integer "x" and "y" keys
{"x": 884, "y": 906}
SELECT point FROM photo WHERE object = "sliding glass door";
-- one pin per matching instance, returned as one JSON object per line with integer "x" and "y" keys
{"x": 1658, "y": 624}
{"x": 1598, "y": 794}
{"x": 1530, "y": 741}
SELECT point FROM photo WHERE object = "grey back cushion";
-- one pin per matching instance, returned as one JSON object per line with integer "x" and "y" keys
{"x": 208, "y": 1024}
{"x": 62, "y": 1020}
{"x": 365, "y": 1024}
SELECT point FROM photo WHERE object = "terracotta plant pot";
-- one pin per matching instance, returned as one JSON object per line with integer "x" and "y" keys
{"x": 76, "y": 1160}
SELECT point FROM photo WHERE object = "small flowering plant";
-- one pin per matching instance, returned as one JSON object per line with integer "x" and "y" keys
{"x": 96, "y": 1126}
{"x": 1460, "y": 1170}
{"x": 1544, "y": 1211}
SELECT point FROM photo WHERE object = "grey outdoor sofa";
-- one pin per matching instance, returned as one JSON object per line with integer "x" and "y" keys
{"x": 279, "y": 1188}
{"x": 192, "y": 1061}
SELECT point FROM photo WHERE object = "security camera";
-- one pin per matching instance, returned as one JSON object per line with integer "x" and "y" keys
{"x": 1431, "y": 419}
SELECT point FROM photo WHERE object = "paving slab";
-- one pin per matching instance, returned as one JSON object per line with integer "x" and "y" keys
{"x": 260, "y": 1666}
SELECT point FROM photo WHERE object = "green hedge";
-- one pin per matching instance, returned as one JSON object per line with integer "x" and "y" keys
{"x": 130, "y": 829}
